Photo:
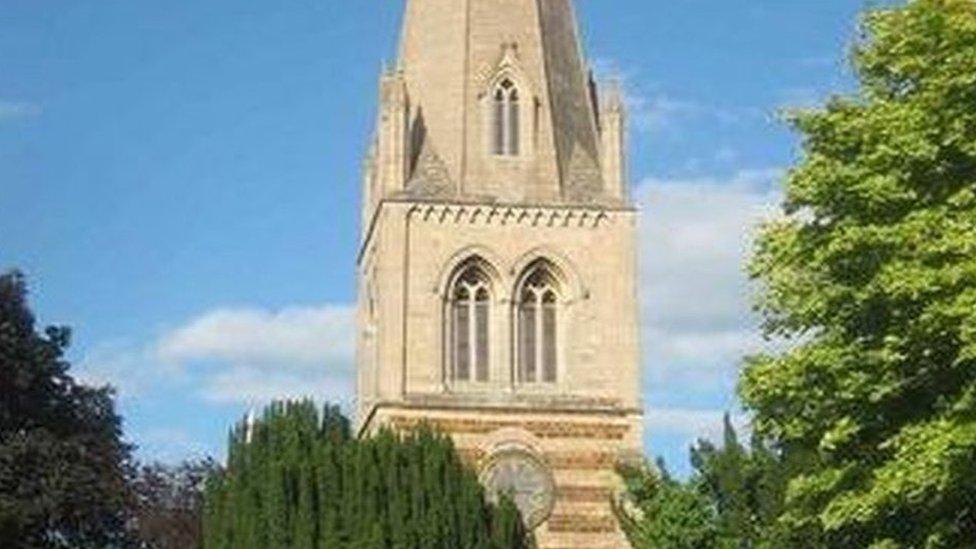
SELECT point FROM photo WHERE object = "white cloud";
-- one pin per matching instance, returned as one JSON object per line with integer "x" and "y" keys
{"x": 131, "y": 369}
{"x": 247, "y": 356}
{"x": 10, "y": 110}
{"x": 255, "y": 356}
{"x": 256, "y": 386}
{"x": 661, "y": 112}
{"x": 693, "y": 424}
{"x": 291, "y": 338}
{"x": 695, "y": 237}
{"x": 658, "y": 112}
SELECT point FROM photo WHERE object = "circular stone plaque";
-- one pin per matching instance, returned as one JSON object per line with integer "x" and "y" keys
{"x": 524, "y": 479}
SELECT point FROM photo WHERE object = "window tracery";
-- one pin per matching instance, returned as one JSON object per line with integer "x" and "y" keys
{"x": 538, "y": 326}
{"x": 505, "y": 119}
{"x": 470, "y": 307}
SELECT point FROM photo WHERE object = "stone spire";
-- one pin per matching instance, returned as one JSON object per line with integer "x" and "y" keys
{"x": 438, "y": 128}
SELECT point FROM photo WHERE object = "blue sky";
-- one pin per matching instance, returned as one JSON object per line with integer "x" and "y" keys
{"x": 179, "y": 181}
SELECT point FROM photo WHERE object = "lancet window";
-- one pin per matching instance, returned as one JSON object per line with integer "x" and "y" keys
{"x": 538, "y": 326}
{"x": 505, "y": 123}
{"x": 470, "y": 308}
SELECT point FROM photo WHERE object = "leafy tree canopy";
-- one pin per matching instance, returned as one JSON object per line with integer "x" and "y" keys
{"x": 660, "y": 512}
{"x": 731, "y": 501}
{"x": 872, "y": 274}
{"x": 168, "y": 503}
{"x": 63, "y": 466}
{"x": 744, "y": 485}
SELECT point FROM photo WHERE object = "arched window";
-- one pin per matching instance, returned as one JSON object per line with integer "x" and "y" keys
{"x": 538, "y": 326}
{"x": 506, "y": 119}
{"x": 470, "y": 310}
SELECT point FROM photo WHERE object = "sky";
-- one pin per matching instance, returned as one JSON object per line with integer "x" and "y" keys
{"x": 179, "y": 181}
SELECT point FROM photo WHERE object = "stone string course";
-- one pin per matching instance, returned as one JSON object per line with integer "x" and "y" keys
{"x": 582, "y": 524}
{"x": 584, "y": 494}
{"x": 541, "y": 429}
{"x": 581, "y": 460}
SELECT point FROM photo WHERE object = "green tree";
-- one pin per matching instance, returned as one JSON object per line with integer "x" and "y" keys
{"x": 168, "y": 510}
{"x": 297, "y": 478}
{"x": 659, "y": 512}
{"x": 63, "y": 465}
{"x": 725, "y": 474}
{"x": 732, "y": 499}
{"x": 746, "y": 487}
{"x": 871, "y": 274}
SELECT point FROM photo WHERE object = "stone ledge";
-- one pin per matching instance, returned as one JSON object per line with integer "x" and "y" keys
{"x": 525, "y": 403}
{"x": 609, "y": 204}
{"x": 584, "y": 524}
{"x": 541, "y": 429}
{"x": 530, "y": 216}
{"x": 584, "y": 494}
{"x": 582, "y": 461}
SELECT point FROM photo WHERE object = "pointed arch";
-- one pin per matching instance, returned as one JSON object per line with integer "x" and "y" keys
{"x": 484, "y": 256}
{"x": 563, "y": 268}
{"x": 470, "y": 291}
{"x": 510, "y": 102}
{"x": 506, "y": 119}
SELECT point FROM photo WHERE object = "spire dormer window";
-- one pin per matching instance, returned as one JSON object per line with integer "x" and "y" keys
{"x": 506, "y": 119}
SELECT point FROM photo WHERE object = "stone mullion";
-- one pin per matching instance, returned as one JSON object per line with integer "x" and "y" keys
{"x": 472, "y": 336}
{"x": 540, "y": 333}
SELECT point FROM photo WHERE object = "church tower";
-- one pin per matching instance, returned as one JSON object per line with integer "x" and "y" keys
{"x": 497, "y": 272}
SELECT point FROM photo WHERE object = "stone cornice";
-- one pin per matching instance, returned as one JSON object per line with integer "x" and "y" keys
{"x": 537, "y": 405}
{"x": 480, "y": 211}
{"x": 518, "y": 404}
{"x": 527, "y": 216}
{"x": 541, "y": 428}
{"x": 475, "y": 200}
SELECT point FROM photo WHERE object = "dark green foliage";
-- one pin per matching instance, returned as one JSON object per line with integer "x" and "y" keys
{"x": 297, "y": 478}
{"x": 168, "y": 500}
{"x": 732, "y": 500}
{"x": 725, "y": 476}
{"x": 63, "y": 466}
{"x": 745, "y": 486}
{"x": 661, "y": 513}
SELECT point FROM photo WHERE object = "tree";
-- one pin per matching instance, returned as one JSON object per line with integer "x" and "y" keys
{"x": 658, "y": 512}
{"x": 725, "y": 476}
{"x": 731, "y": 500}
{"x": 297, "y": 478}
{"x": 63, "y": 465}
{"x": 168, "y": 503}
{"x": 871, "y": 274}
{"x": 746, "y": 487}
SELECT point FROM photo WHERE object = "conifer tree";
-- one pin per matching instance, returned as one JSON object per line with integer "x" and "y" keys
{"x": 297, "y": 478}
